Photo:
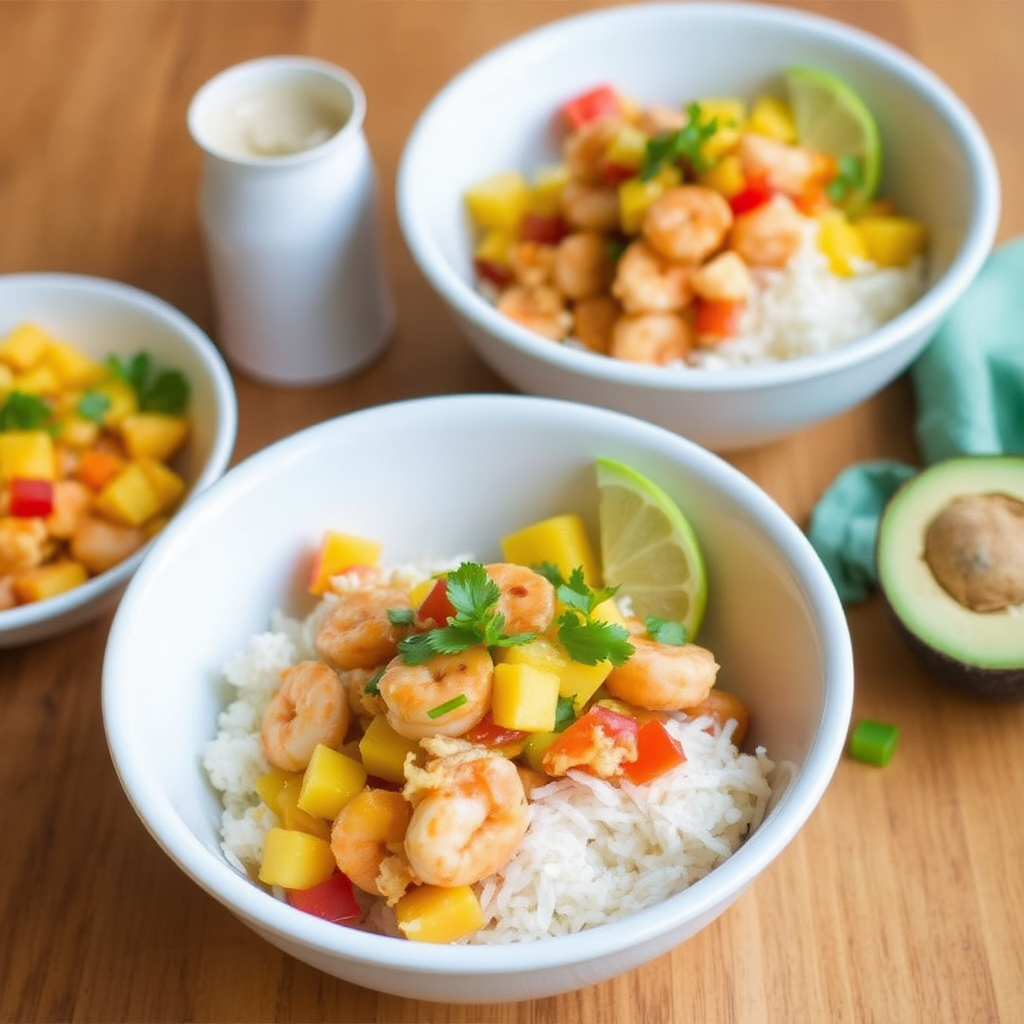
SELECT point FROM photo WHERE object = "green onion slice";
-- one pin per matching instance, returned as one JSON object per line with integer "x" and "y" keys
{"x": 448, "y": 705}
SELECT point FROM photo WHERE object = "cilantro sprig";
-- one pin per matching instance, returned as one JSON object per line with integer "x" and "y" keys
{"x": 586, "y": 639}
{"x": 164, "y": 391}
{"x": 665, "y": 631}
{"x": 21, "y": 411}
{"x": 473, "y": 595}
{"x": 849, "y": 179}
{"x": 685, "y": 144}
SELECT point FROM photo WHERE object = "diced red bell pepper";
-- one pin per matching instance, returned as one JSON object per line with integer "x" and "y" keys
{"x": 497, "y": 273}
{"x": 487, "y": 734}
{"x": 333, "y": 900}
{"x": 547, "y": 228}
{"x": 614, "y": 174}
{"x": 594, "y": 103}
{"x": 31, "y": 497}
{"x": 656, "y": 753}
{"x": 592, "y": 738}
{"x": 436, "y": 607}
{"x": 756, "y": 192}
{"x": 717, "y": 318}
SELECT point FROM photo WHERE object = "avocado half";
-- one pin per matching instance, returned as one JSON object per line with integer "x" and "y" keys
{"x": 950, "y": 565}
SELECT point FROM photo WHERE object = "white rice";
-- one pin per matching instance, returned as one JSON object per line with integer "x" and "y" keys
{"x": 594, "y": 851}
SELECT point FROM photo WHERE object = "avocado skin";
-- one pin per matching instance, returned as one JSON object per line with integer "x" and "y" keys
{"x": 996, "y": 684}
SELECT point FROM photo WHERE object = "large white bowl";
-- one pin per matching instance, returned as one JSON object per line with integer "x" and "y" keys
{"x": 102, "y": 318}
{"x": 435, "y": 477}
{"x": 498, "y": 115}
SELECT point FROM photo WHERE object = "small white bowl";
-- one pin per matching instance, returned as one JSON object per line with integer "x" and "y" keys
{"x": 102, "y": 318}
{"x": 432, "y": 478}
{"x": 498, "y": 114}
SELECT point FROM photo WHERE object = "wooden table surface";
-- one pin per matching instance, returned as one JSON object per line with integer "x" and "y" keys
{"x": 902, "y": 900}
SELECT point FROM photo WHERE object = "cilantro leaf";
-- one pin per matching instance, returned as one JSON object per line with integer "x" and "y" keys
{"x": 21, "y": 411}
{"x": 371, "y": 686}
{"x": 167, "y": 392}
{"x": 565, "y": 713}
{"x": 666, "y": 632}
{"x": 850, "y": 178}
{"x": 685, "y": 145}
{"x": 401, "y": 616}
{"x": 93, "y": 406}
{"x": 590, "y": 641}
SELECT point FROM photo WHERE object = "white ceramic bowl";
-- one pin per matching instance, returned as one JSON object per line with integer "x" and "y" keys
{"x": 498, "y": 115}
{"x": 102, "y": 318}
{"x": 434, "y": 477}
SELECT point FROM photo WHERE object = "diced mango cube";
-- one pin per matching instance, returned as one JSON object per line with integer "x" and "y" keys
{"x": 627, "y": 148}
{"x": 730, "y": 116}
{"x": 129, "y": 497}
{"x": 546, "y": 189}
{"x": 40, "y": 380}
{"x": 6, "y": 380}
{"x": 167, "y": 485}
{"x": 561, "y": 540}
{"x": 295, "y": 860}
{"x": 773, "y": 117}
{"x": 384, "y": 752}
{"x": 432, "y": 913}
{"x": 48, "y": 580}
{"x": 725, "y": 176}
{"x": 152, "y": 435}
{"x": 338, "y": 552}
{"x": 271, "y": 784}
{"x": 77, "y": 432}
{"x": 24, "y": 347}
{"x": 841, "y": 242}
{"x": 279, "y": 790}
{"x": 27, "y": 453}
{"x": 495, "y": 246}
{"x": 498, "y": 201}
{"x": 524, "y": 698}
{"x": 122, "y": 398}
{"x": 576, "y": 681}
{"x": 636, "y": 196}
{"x": 331, "y": 779}
{"x": 891, "y": 241}
{"x": 73, "y": 367}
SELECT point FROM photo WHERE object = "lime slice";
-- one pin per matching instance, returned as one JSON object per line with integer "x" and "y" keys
{"x": 831, "y": 118}
{"x": 648, "y": 549}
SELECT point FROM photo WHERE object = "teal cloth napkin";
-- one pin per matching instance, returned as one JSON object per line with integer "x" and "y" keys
{"x": 969, "y": 392}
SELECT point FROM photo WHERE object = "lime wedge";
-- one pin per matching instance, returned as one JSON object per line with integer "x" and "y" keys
{"x": 648, "y": 549}
{"x": 831, "y": 118}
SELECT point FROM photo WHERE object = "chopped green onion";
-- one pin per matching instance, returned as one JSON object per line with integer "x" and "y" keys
{"x": 448, "y": 705}
{"x": 874, "y": 742}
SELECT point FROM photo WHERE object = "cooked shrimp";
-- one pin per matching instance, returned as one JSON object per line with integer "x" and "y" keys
{"x": 724, "y": 278}
{"x": 590, "y": 207}
{"x": 532, "y": 263}
{"x": 594, "y": 319}
{"x": 100, "y": 544}
{"x": 357, "y": 632}
{"x": 309, "y": 708}
{"x": 71, "y": 501}
{"x": 770, "y": 234}
{"x": 527, "y": 599}
{"x": 8, "y": 599}
{"x": 22, "y": 544}
{"x": 663, "y": 677}
{"x": 540, "y": 309}
{"x": 647, "y": 282}
{"x": 584, "y": 151}
{"x": 787, "y": 168}
{"x": 658, "y": 119}
{"x": 368, "y": 830}
{"x": 413, "y": 693}
{"x": 583, "y": 266}
{"x": 687, "y": 223}
{"x": 655, "y": 338}
{"x": 470, "y": 813}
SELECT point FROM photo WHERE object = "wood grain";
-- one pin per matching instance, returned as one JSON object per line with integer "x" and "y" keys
{"x": 899, "y": 901}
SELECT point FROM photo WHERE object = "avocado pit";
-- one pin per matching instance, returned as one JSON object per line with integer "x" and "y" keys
{"x": 975, "y": 549}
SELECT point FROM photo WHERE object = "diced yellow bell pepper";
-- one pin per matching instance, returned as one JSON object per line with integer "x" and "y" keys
{"x": 331, "y": 779}
{"x": 24, "y": 347}
{"x": 524, "y": 698}
{"x": 773, "y": 117}
{"x": 73, "y": 367}
{"x": 122, "y": 397}
{"x": 726, "y": 176}
{"x": 27, "y": 453}
{"x": 891, "y": 241}
{"x": 152, "y": 435}
{"x": 495, "y": 246}
{"x": 561, "y": 540}
{"x": 432, "y": 913}
{"x": 840, "y": 241}
{"x": 48, "y": 580}
{"x": 338, "y": 552}
{"x": 129, "y": 497}
{"x": 295, "y": 860}
{"x": 730, "y": 116}
{"x": 384, "y": 752}
{"x": 166, "y": 484}
{"x": 535, "y": 747}
{"x": 546, "y": 189}
{"x": 499, "y": 201}
{"x": 40, "y": 380}
{"x": 627, "y": 148}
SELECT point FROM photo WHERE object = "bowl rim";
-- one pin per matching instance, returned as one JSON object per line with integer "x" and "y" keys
{"x": 211, "y": 871}
{"x": 33, "y": 616}
{"x": 921, "y": 316}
